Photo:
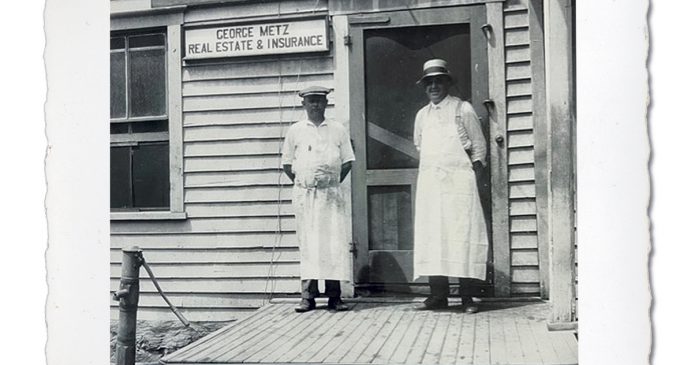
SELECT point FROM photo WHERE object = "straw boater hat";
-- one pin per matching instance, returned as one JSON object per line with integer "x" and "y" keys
{"x": 435, "y": 67}
{"x": 314, "y": 90}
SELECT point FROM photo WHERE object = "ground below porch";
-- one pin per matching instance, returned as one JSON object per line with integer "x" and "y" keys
{"x": 381, "y": 331}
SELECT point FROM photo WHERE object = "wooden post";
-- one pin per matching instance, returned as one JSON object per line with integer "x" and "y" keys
{"x": 498, "y": 153}
{"x": 560, "y": 114}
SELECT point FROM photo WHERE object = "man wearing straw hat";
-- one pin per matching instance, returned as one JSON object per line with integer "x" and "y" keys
{"x": 317, "y": 156}
{"x": 450, "y": 237}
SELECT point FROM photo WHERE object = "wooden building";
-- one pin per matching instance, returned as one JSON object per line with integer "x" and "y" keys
{"x": 199, "y": 109}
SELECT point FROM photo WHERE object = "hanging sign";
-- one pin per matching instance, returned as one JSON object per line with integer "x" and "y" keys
{"x": 294, "y": 36}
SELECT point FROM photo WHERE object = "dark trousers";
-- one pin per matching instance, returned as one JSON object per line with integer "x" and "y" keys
{"x": 310, "y": 288}
{"x": 439, "y": 287}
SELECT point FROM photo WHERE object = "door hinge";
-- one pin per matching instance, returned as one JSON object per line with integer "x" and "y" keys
{"x": 347, "y": 40}
{"x": 354, "y": 249}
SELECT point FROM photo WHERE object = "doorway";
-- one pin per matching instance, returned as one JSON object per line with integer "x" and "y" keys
{"x": 387, "y": 53}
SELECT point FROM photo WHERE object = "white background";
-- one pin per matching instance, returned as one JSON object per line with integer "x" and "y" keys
{"x": 81, "y": 322}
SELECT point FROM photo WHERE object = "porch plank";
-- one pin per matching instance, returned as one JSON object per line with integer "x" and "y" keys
{"x": 451, "y": 340}
{"x": 251, "y": 338}
{"x": 386, "y": 333}
{"x": 391, "y": 343}
{"x": 399, "y": 356}
{"x": 214, "y": 344}
{"x": 561, "y": 343}
{"x": 497, "y": 342}
{"x": 420, "y": 345}
{"x": 526, "y": 340}
{"x": 368, "y": 335}
{"x": 369, "y": 318}
{"x": 481, "y": 354}
{"x": 314, "y": 319}
{"x": 467, "y": 341}
{"x": 436, "y": 342}
{"x": 545, "y": 347}
{"x": 514, "y": 351}
{"x": 311, "y": 341}
{"x": 328, "y": 339}
{"x": 265, "y": 337}
{"x": 378, "y": 341}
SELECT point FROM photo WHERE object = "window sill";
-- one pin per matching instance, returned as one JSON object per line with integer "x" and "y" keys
{"x": 147, "y": 216}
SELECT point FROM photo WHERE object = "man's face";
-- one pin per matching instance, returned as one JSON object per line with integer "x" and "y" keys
{"x": 315, "y": 105}
{"x": 437, "y": 87}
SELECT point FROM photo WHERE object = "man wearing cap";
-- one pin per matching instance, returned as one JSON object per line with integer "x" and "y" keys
{"x": 450, "y": 237}
{"x": 317, "y": 156}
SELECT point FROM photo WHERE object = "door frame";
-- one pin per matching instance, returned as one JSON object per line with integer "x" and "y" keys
{"x": 478, "y": 16}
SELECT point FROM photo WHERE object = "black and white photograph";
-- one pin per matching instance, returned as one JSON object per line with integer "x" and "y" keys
{"x": 342, "y": 182}
{"x": 346, "y": 182}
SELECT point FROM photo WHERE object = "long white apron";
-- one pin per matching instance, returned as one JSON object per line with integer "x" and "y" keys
{"x": 321, "y": 219}
{"x": 450, "y": 230}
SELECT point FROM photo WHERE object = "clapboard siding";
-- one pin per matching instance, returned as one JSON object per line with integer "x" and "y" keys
{"x": 236, "y": 163}
{"x": 274, "y": 84}
{"x": 217, "y": 270}
{"x": 228, "y": 255}
{"x": 247, "y": 209}
{"x": 194, "y": 301}
{"x": 236, "y": 132}
{"x": 226, "y": 285}
{"x": 237, "y": 194}
{"x": 265, "y": 68}
{"x": 237, "y": 246}
{"x": 233, "y": 240}
{"x": 256, "y": 9}
{"x": 521, "y": 169}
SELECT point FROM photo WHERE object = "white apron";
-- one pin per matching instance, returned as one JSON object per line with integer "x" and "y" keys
{"x": 321, "y": 218}
{"x": 450, "y": 230}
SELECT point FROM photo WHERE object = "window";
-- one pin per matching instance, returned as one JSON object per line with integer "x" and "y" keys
{"x": 140, "y": 143}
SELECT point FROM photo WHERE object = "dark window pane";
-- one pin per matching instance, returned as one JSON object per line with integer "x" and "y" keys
{"x": 117, "y": 42}
{"x": 150, "y": 126}
{"x": 119, "y": 128}
{"x": 392, "y": 102}
{"x": 117, "y": 85}
{"x": 147, "y": 83}
{"x": 121, "y": 196}
{"x": 147, "y": 40}
{"x": 151, "y": 178}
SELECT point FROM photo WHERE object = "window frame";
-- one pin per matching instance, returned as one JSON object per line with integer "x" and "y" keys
{"x": 169, "y": 23}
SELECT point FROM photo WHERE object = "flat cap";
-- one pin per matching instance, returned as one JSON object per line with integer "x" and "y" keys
{"x": 314, "y": 90}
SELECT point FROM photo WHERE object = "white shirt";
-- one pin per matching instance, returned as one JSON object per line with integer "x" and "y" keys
{"x": 469, "y": 130}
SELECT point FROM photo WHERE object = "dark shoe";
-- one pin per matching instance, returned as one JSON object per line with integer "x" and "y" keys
{"x": 433, "y": 303}
{"x": 305, "y": 305}
{"x": 337, "y": 305}
{"x": 471, "y": 309}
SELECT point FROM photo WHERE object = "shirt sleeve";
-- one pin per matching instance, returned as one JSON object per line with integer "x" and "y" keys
{"x": 418, "y": 130}
{"x": 288, "y": 148}
{"x": 475, "y": 133}
{"x": 346, "y": 151}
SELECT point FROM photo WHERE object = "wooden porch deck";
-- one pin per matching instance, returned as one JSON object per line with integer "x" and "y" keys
{"x": 386, "y": 333}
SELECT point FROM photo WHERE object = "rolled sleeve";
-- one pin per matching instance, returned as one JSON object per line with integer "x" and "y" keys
{"x": 346, "y": 151}
{"x": 475, "y": 133}
{"x": 418, "y": 130}
{"x": 288, "y": 148}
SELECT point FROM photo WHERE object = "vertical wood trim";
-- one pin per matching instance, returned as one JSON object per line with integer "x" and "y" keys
{"x": 175, "y": 123}
{"x": 559, "y": 87}
{"x": 498, "y": 153}
{"x": 358, "y": 135}
{"x": 540, "y": 126}
{"x": 342, "y": 114}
